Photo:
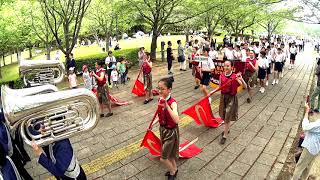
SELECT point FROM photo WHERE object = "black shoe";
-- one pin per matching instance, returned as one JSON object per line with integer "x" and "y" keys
{"x": 171, "y": 177}
{"x": 316, "y": 110}
{"x": 146, "y": 101}
{"x": 248, "y": 100}
{"x": 223, "y": 140}
{"x": 109, "y": 114}
{"x": 180, "y": 69}
{"x": 168, "y": 173}
{"x": 101, "y": 115}
{"x": 196, "y": 87}
{"x": 184, "y": 70}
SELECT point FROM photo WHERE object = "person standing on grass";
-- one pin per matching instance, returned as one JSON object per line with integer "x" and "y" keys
{"x": 103, "y": 89}
{"x": 228, "y": 109}
{"x": 146, "y": 69}
{"x": 170, "y": 57}
{"x": 87, "y": 79}
{"x": 72, "y": 77}
{"x": 111, "y": 64}
{"x": 189, "y": 53}
{"x": 251, "y": 68}
{"x": 169, "y": 129}
{"x": 206, "y": 66}
{"x": 263, "y": 65}
{"x": 310, "y": 144}
{"x": 141, "y": 55}
{"x": 316, "y": 92}
{"x": 181, "y": 56}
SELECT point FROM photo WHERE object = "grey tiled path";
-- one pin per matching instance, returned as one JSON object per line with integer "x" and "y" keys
{"x": 257, "y": 146}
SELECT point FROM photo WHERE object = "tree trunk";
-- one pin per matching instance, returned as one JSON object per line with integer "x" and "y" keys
{"x": 107, "y": 39}
{"x": 30, "y": 52}
{"x": 18, "y": 56}
{"x": 48, "y": 50}
{"x": 4, "y": 61}
{"x": 11, "y": 57}
{"x": 154, "y": 44}
{"x": 1, "y": 67}
{"x": 187, "y": 36}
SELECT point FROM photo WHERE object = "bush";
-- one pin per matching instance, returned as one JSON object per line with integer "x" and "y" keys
{"x": 17, "y": 84}
{"x": 130, "y": 54}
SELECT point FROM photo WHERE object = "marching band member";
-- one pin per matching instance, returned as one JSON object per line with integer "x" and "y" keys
{"x": 58, "y": 158}
{"x": 169, "y": 130}
{"x": 147, "y": 68}
{"x": 278, "y": 66}
{"x": 228, "y": 109}
{"x": 251, "y": 68}
{"x": 207, "y": 66}
{"x": 11, "y": 158}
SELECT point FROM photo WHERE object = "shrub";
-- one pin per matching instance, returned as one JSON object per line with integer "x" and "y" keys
{"x": 130, "y": 54}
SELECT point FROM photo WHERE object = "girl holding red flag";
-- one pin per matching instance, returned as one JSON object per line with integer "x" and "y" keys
{"x": 228, "y": 109}
{"x": 146, "y": 69}
{"x": 169, "y": 130}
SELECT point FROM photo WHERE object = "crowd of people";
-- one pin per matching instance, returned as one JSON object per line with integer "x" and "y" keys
{"x": 263, "y": 61}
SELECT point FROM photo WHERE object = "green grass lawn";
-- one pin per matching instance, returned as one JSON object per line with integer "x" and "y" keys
{"x": 11, "y": 72}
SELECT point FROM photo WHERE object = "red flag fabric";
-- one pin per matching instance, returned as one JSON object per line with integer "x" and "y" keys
{"x": 138, "y": 88}
{"x": 117, "y": 102}
{"x": 189, "y": 152}
{"x": 155, "y": 92}
{"x": 202, "y": 114}
{"x": 152, "y": 142}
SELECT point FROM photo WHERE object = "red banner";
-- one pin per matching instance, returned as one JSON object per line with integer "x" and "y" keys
{"x": 239, "y": 66}
{"x": 187, "y": 150}
{"x": 152, "y": 142}
{"x": 138, "y": 88}
{"x": 202, "y": 114}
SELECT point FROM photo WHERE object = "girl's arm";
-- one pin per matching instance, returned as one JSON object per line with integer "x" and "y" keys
{"x": 149, "y": 64}
{"x": 173, "y": 111}
{"x": 99, "y": 78}
{"x": 242, "y": 82}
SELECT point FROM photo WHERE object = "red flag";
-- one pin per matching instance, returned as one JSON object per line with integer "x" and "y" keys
{"x": 116, "y": 101}
{"x": 152, "y": 142}
{"x": 138, "y": 88}
{"x": 202, "y": 114}
{"x": 155, "y": 92}
{"x": 188, "y": 152}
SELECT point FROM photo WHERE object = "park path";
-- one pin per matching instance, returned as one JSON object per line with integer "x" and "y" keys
{"x": 257, "y": 147}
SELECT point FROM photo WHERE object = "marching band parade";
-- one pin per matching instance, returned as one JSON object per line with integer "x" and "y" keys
{"x": 230, "y": 69}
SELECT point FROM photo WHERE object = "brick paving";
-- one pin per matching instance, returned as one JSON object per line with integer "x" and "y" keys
{"x": 256, "y": 148}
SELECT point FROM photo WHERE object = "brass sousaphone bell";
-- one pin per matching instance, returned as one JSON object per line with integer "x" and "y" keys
{"x": 61, "y": 114}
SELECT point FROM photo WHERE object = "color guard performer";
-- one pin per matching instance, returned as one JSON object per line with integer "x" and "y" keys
{"x": 228, "y": 109}
{"x": 146, "y": 69}
{"x": 251, "y": 68}
{"x": 169, "y": 130}
{"x": 207, "y": 66}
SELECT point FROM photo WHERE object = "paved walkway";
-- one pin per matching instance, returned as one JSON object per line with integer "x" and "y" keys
{"x": 257, "y": 146}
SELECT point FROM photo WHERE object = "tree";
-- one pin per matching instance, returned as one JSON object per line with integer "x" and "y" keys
{"x": 70, "y": 15}
{"x": 40, "y": 27}
{"x": 310, "y": 11}
{"x": 157, "y": 14}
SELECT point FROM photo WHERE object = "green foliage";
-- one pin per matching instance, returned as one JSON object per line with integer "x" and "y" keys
{"x": 130, "y": 54}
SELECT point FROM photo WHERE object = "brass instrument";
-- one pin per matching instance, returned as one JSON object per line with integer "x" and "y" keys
{"x": 61, "y": 114}
{"x": 41, "y": 72}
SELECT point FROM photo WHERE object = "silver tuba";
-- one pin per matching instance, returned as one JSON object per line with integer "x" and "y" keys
{"x": 41, "y": 72}
{"x": 60, "y": 114}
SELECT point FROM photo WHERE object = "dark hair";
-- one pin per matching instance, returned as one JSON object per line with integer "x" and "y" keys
{"x": 318, "y": 63}
{"x": 231, "y": 62}
{"x": 71, "y": 54}
{"x": 100, "y": 63}
{"x": 179, "y": 41}
{"x": 263, "y": 53}
{"x": 109, "y": 52}
{"x": 190, "y": 43}
{"x": 268, "y": 47}
{"x": 238, "y": 46}
{"x": 196, "y": 40}
{"x": 279, "y": 49}
{"x": 230, "y": 45}
{"x": 169, "y": 43}
{"x": 206, "y": 49}
{"x": 167, "y": 82}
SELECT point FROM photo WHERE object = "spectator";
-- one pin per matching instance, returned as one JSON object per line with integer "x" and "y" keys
{"x": 114, "y": 76}
{"x": 72, "y": 79}
{"x": 71, "y": 63}
{"x": 111, "y": 63}
{"x": 87, "y": 79}
{"x": 310, "y": 144}
{"x": 169, "y": 57}
{"x": 181, "y": 56}
{"x": 141, "y": 55}
{"x": 316, "y": 92}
